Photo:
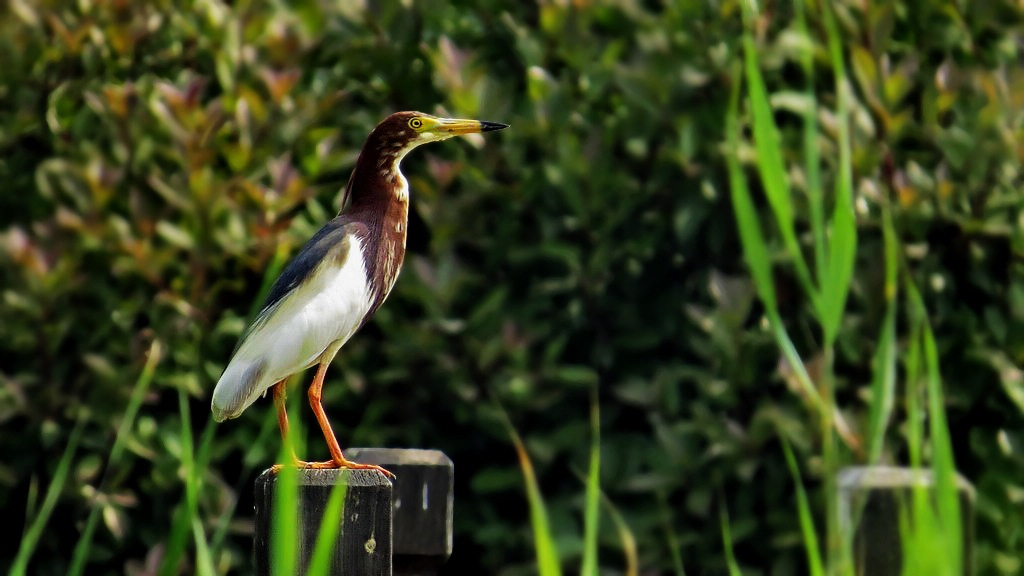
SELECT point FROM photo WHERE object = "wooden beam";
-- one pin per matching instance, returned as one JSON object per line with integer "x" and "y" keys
{"x": 363, "y": 544}
{"x": 423, "y": 505}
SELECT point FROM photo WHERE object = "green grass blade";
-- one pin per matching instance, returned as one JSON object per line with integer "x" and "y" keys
{"x": 35, "y": 529}
{"x": 814, "y": 562}
{"x": 772, "y": 168}
{"x": 912, "y": 366}
{"x": 592, "y": 513}
{"x": 812, "y": 161}
{"x": 796, "y": 363}
{"x": 751, "y": 236}
{"x": 843, "y": 240}
{"x": 935, "y": 544}
{"x": 917, "y": 513}
{"x": 186, "y": 522}
{"x": 943, "y": 465}
{"x": 544, "y": 542}
{"x": 547, "y": 556}
{"x": 730, "y": 558}
{"x": 285, "y": 512}
{"x": 670, "y": 534}
{"x": 175, "y": 548}
{"x": 203, "y": 560}
{"x": 330, "y": 526}
{"x": 285, "y": 519}
{"x": 883, "y": 382}
{"x": 80, "y": 556}
{"x": 754, "y": 251}
{"x": 626, "y": 537}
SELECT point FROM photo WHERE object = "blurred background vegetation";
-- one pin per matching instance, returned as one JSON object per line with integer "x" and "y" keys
{"x": 160, "y": 160}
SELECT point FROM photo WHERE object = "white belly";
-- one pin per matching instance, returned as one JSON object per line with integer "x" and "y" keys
{"x": 319, "y": 315}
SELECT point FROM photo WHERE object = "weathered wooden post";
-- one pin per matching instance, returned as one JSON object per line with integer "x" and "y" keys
{"x": 871, "y": 499}
{"x": 405, "y": 526}
{"x": 363, "y": 544}
{"x": 423, "y": 505}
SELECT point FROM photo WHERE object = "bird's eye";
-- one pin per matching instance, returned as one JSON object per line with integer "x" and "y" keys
{"x": 415, "y": 123}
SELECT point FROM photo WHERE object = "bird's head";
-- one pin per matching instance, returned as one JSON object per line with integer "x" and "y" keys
{"x": 402, "y": 131}
{"x": 391, "y": 140}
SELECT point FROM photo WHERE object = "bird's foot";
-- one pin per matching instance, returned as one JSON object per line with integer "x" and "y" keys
{"x": 332, "y": 465}
{"x": 357, "y": 466}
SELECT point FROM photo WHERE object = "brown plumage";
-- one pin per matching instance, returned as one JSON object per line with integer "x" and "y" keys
{"x": 377, "y": 196}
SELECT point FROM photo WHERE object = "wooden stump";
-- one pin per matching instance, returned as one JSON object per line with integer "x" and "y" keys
{"x": 876, "y": 495}
{"x": 363, "y": 544}
{"x": 423, "y": 499}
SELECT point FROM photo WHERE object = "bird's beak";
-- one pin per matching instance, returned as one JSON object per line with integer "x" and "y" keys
{"x": 447, "y": 127}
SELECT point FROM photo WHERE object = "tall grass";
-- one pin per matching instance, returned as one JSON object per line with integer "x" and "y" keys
{"x": 835, "y": 240}
{"x": 932, "y": 533}
{"x": 35, "y": 529}
{"x": 548, "y": 562}
{"x": 80, "y": 556}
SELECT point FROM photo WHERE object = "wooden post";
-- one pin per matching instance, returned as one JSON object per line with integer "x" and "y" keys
{"x": 363, "y": 544}
{"x": 423, "y": 499}
{"x": 876, "y": 495}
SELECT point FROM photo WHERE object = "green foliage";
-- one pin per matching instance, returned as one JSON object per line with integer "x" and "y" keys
{"x": 161, "y": 160}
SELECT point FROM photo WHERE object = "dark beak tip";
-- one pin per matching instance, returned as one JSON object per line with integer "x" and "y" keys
{"x": 491, "y": 126}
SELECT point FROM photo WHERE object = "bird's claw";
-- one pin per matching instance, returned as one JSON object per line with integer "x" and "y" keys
{"x": 332, "y": 465}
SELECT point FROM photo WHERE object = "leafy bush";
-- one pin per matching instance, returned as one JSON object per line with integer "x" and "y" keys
{"x": 161, "y": 160}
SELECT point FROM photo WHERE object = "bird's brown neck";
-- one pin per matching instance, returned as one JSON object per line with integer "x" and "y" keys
{"x": 377, "y": 196}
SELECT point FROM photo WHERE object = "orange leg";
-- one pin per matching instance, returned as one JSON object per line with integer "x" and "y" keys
{"x": 280, "y": 394}
{"x": 338, "y": 459}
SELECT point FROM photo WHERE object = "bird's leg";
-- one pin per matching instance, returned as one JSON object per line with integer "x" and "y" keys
{"x": 337, "y": 458}
{"x": 280, "y": 393}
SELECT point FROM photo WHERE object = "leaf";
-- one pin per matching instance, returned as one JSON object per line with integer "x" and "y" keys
{"x": 175, "y": 235}
{"x": 1010, "y": 376}
{"x": 574, "y": 375}
{"x": 114, "y": 520}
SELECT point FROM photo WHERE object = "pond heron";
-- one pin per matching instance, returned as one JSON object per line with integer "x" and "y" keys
{"x": 336, "y": 282}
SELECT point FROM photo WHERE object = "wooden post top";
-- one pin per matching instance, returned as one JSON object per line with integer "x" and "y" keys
{"x": 871, "y": 502}
{"x": 871, "y": 477}
{"x": 363, "y": 544}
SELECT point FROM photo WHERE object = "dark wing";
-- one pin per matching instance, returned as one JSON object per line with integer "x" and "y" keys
{"x": 328, "y": 242}
{"x": 283, "y": 339}
{"x": 319, "y": 247}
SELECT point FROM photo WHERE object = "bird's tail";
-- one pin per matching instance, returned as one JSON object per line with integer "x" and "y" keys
{"x": 239, "y": 386}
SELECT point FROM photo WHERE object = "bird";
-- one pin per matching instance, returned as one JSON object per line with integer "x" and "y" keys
{"x": 336, "y": 282}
